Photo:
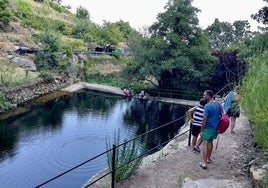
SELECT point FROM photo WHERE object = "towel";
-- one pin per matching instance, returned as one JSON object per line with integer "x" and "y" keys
{"x": 227, "y": 101}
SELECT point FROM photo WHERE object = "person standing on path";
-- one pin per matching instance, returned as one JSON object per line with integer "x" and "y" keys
{"x": 209, "y": 127}
{"x": 196, "y": 116}
{"x": 234, "y": 109}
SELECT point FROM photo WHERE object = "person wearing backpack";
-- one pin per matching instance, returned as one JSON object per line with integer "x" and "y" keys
{"x": 209, "y": 127}
{"x": 234, "y": 109}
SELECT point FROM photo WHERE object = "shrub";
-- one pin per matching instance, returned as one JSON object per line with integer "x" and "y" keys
{"x": 48, "y": 58}
{"x": 127, "y": 157}
{"x": 24, "y": 9}
{"x": 45, "y": 74}
{"x": 5, "y": 13}
{"x": 81, "y": 27}
{"x": 4, "y": 104}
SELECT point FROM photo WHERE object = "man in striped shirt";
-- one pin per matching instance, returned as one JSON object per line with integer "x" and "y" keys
{"x": 196, "y": 116}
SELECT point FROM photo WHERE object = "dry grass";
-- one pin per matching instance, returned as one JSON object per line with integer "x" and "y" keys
{"x": 12, "y": 75}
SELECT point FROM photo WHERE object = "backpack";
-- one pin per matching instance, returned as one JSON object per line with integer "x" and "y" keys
{"x": 224, "y": 122}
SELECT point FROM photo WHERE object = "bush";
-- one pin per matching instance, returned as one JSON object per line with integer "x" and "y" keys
{"x": 45, "y": 74}
{"x": 127, "y": 157}
{"x": 4, "y": 104}
{"x": 47, "y": 58}
{"x": 24, "y": 9}
{"x": 81, "y": 27}
{"x": 5, "y": 13}
{"x": 69, "y": 51}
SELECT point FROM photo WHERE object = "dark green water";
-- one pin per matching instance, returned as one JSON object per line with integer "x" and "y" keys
{"x": 54, "y": 137}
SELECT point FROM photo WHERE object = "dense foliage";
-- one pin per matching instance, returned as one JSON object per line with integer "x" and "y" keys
{"x": 47, "y": 58}
{"x": 255, "y": 90}
{"x": 176, "y": 53}
{"x": 82, "y": 13}
{"x": 228, "y": 72}
{"x": 5, "y": 14}
{"x": 262, "y": 15}
{"x": 224, "y": 34}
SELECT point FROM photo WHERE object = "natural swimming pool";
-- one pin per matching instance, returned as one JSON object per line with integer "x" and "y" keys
{"x": 56, "y": 136}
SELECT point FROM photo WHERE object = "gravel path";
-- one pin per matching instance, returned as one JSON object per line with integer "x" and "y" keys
{"x": 180, "y": 165}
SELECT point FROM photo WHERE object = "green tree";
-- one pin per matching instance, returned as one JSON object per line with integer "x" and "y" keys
{"x": 262, "y": 15}
{"x": 123, "y": 27}
{"x": 176, "y": 53}
{"x": 110, "y": 33}
{"x": 82, "y": 13}
{"x": 221, "y": 35}
{"x": 81, "y": 27}
{"x": 48, "y": 58}
{"x": 5, "y": 13}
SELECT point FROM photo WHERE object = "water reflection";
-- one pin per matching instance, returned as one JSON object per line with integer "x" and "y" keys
{"x": 52, "y": 138}
{"x": 153, "y": 114}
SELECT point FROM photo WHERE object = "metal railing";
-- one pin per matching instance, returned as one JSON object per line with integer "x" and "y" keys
{"x": 177, "y": 94}
{"x": 114, "y": 149}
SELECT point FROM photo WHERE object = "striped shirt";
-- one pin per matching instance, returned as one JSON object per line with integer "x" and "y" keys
{"x": 198, "y": 116}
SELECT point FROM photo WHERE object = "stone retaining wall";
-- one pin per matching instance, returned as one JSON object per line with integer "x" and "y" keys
{"x": 24, "y": 93}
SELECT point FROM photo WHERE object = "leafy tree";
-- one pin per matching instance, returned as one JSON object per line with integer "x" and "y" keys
{"x": 223, "y": 34}
{"x": 229, "y": 71}
{"x": 123, "y": 27}
{"x": 262, "y": 15}
{"x": 176, "y": 53}
{"x": 110, "y": 33}
{"x": 241, "y": 30}
{"x": 5, "y": 13}
{"x": 81, "y": 27}
{"x": 47, "y": 58}
{"x": 82, "y": 13}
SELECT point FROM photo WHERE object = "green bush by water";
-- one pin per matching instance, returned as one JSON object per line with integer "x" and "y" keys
{"x": 127, "y": 158}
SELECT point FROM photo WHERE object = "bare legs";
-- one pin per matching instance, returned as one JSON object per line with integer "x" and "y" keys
{"x": 207, "y": 150}
{"x": 194, "y": 139}
{"x": 233, "y": 121}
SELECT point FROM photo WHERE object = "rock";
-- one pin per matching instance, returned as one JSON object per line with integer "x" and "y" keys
{"x": 258, "y": 175}
{"x": 23, "y": 62}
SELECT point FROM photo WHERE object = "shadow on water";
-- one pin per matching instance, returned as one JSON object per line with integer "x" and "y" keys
{"x": 53, "y": 137}
{"x": 153, "y": 114}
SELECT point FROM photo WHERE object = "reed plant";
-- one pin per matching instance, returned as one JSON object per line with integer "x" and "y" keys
{"x": 255, "y": 91}
{"x": 127, "y": 157}
{"x": 255, "y": 97}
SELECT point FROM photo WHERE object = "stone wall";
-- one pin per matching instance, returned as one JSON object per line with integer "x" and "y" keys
{"x": 24, "y": 93}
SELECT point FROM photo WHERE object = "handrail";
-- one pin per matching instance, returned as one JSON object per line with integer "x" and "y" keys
{"x": 109, "y": 150}
{"x": 173, "y": 93}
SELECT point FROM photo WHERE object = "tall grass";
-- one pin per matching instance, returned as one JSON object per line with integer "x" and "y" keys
{"x": 127, "y": 158}
{"x": 255, "y": 90}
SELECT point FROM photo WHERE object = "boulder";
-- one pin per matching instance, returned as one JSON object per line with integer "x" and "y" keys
{"x": 25, "y": 63}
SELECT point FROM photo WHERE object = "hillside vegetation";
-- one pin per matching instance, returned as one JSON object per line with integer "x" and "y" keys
{"x": 173, "y": 54}
{"x": 57, "y": 33}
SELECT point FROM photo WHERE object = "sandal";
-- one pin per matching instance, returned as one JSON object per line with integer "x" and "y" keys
{"x": 204, "y": 167}
{"x": 209, "y": 161}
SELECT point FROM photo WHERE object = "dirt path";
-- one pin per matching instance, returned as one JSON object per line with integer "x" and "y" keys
{"x": 181, "y": 164}
{"x": 177, "y": 166}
